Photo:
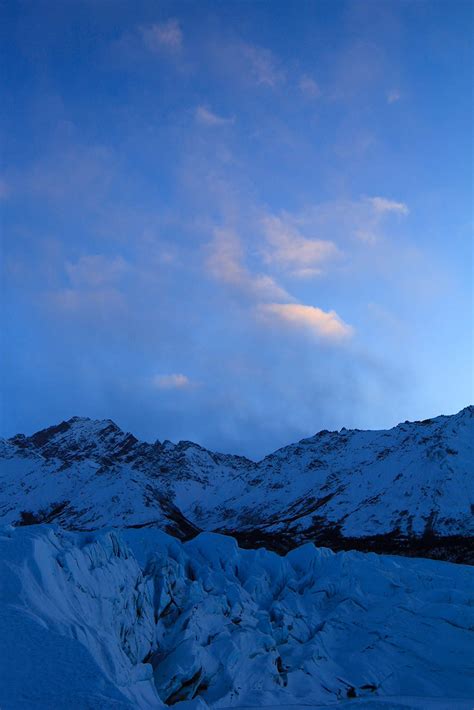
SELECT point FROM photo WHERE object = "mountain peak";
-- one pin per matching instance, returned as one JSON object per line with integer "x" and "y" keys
{"x": 77, "y": 438}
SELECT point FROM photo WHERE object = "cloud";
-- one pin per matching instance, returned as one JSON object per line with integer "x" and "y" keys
{"x": 272, "y": 302}
{"x": 382, "y": 205}
{"x": 309, "y": 87}
{"x": 324, "y": 324}
{"x": 262, "y": 65}
{"x": 208, "y": 118}
{"x": 225, "y": 264}
{"x": 393, "y": 96}
{"x": 95, "y": 270}
{"x": 290, "y": 250}
{"x": 342, "y": 220}
{"x": 170, "y": 382}
{"x": 245, "y": 63}
{"x": 163, "y": 36}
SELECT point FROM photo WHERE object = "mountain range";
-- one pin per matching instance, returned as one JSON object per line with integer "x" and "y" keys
{"x": 407, "y": 490}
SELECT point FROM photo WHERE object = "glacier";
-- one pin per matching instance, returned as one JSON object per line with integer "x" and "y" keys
{"x": 136, "y": 618}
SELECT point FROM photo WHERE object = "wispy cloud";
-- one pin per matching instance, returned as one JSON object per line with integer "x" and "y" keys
{"x": 309, "y": 87}
{"x": 262, "y": 65}
{"x": 225, "y": 263}
{"x": 393, "y": 96}
{"x": 382, "y": 204}
{"x": 206, "y": 117}
{"x": 171, "y": 382}
{"x": 95, "y": 270}
{"x": 288, "y": 249}
{"x": 339, "y": 221}
{"x": 160, "y": 36}
{"x": 324, "y": 324}
{"x": 272, "y": 303}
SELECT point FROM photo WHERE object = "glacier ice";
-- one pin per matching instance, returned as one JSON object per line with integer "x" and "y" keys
{"x": 137, "y": 619}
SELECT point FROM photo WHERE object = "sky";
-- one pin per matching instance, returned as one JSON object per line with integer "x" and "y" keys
{"x": 236, "y": 223}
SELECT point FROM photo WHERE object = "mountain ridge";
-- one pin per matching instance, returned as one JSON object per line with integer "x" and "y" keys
{"x": 407, "y": 490}
{"x": 467, "y": 410}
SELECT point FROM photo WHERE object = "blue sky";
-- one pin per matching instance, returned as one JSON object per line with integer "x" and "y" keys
{"x": 236, "y": 222}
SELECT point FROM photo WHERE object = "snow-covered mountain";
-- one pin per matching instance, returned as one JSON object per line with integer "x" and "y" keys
{"x": 409, "y": 489}
{"x": 113, "y": 613}
{"x": 138, "y": 619}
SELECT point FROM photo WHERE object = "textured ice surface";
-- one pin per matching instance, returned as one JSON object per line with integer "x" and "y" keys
{"x": 76, "y": 620}
{"x": 136, "y": 619}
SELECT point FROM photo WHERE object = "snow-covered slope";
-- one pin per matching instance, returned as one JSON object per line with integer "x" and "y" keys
{"x": 136, "y": 619}
{"x": 408, "y": 489}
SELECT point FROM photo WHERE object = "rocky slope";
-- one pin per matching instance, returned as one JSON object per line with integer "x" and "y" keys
{"x": 137, "y": 619}
{"x": 407, "y": 490}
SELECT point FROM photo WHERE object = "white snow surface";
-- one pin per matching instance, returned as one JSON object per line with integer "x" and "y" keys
{"x": 136, "y": 619}
{"x": 414, "y": 479}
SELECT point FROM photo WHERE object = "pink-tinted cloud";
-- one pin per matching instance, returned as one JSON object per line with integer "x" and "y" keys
{"x": 289, "y": 250}
{"x": 225, "y": 263}
{"x": 324, "y": 324}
